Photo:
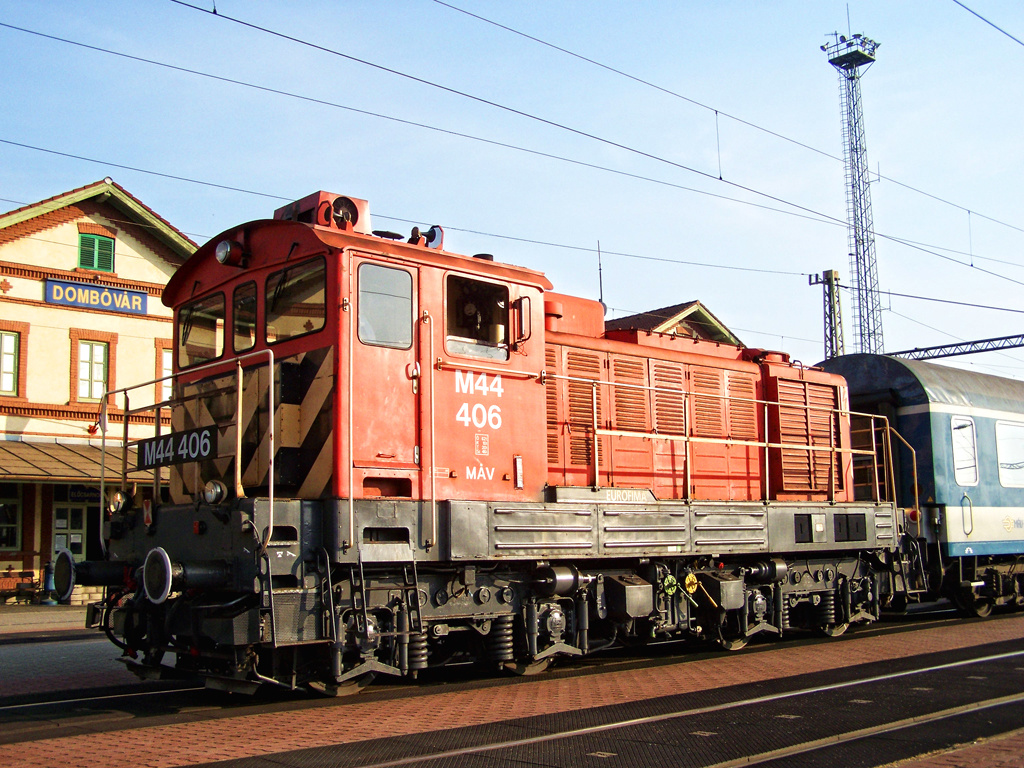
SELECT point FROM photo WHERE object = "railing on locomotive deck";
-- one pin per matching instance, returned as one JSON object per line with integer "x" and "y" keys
{"x": 171, "y": 402}
{"x": 878, "y": 456}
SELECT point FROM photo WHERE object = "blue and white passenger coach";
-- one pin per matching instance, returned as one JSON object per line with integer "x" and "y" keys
{"x": 967, "y": 431}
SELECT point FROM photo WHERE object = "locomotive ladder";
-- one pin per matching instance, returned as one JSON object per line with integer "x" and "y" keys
{"x": 410, "y": 589}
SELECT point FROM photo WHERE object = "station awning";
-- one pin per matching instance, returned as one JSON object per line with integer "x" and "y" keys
{"x": 27, "y": 462}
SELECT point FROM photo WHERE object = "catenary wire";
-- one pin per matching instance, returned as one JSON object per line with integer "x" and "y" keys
{"x": 991, "y": 24}
{"x": 719, "y": 112}
{"x": 817, "y": 216}
{"x": 562, "y": 126}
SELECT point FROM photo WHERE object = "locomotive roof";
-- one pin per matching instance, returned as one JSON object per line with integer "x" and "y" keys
{"x": 913, "y": 382}
{"x": 311, "y": 239}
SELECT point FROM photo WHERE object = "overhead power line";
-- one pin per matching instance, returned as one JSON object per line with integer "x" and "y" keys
{"x": 719, "y": 112}
{"x": 814, "y": 216}
{"x": 994, "y": 26}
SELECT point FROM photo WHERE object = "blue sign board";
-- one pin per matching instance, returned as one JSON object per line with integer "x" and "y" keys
{"x": 101, "y": 297}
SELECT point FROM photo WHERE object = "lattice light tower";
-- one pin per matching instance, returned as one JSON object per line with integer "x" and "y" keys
{"x": 850, "y": 57}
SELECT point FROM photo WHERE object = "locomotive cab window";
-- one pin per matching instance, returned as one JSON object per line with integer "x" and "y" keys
{"x": 296, "y": 301}
{"x": 476, "y": 318}
{"x": 385, "y": 306}
{"x": 1010, "y": 453}
{"x": 243, "y": 317}
{"x": 201, "y": 331}
{"x": 965, "y": 451}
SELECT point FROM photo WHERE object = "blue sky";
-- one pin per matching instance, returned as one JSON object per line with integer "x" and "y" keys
{"x": 943, "y": 110}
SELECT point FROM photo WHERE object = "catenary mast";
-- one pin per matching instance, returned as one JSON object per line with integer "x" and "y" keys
{"x": 850, "y": 56}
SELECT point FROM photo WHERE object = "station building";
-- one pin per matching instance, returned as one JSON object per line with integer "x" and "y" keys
{"x": 81, "y": 276}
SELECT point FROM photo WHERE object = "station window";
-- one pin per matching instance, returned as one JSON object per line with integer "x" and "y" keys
{"x": 965, "y": 451}
{"x": 96, "y": 252}
{"x": 9, "y": 344}
{"x": 10, "y": 517}
{"x": 385, "y": 306}
{"x": 92, "y": 370}
{"x": 201, "y": 331}
{"x": 476, "y": 318}
{"x": 166, "y": 369}
{"x": 243, "y": 317}
{"x": 296, "y": 301}
{"x": 1010, "y": 453}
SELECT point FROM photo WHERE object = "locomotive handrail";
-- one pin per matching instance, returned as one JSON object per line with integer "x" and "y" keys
{"x": 913, "y": 466}
{"x": 832, "y": 449}
{"x": 441, "y": 365}
{"x": 159, "y": 404}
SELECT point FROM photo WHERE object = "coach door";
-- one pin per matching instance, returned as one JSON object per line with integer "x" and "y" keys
{"x": 385, "y": 379}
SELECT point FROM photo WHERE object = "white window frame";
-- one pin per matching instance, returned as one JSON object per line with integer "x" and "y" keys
{"x": 92, "y": 373}
{"x": 964, "y": 445}
{"x": 10, "y": 343}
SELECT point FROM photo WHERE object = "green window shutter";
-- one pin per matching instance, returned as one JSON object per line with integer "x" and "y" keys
{"x": 87, "y": 251}
{"x": 105, "y": 254}
{"x": 96, "y": 252}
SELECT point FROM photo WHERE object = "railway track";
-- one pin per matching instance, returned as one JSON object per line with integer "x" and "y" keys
{"x": 152, "y": 704}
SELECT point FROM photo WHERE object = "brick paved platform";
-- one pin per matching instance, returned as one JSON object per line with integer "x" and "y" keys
{"x": 23, "y": 623}
{"x": 251, "y": 735}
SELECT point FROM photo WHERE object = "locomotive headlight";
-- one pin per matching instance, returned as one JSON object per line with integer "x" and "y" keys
{"x": 230, "y": 253}
{"x": 119, "y": 502}
{"x": 214, "y": 492}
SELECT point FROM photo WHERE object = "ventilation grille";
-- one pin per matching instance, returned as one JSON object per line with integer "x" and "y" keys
{"x": 669, "y": 400}
{"x": 742, "y": 408}
{"x": 805, "y": 419}
{"x": 630, "y": 401}
{"x": 551, "y": 395}
{"x": 708, "y": 403}
{"x": 581, "y": 365}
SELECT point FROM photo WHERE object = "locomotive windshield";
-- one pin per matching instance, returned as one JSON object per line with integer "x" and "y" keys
{"x": 477, "y": 318}
{"x": 296, "y": 301}
{"x": 201, "y": 331}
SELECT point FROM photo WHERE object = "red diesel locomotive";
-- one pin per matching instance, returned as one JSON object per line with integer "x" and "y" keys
{"x": 381, "y": 456}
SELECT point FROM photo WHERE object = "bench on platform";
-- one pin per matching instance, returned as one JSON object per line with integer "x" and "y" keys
{"x": 23, "y": 588}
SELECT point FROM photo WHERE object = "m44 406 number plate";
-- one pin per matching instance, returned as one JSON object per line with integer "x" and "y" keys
{"x": 176, "y": 448}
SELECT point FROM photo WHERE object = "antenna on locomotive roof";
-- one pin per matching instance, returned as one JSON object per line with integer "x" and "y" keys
{"x": 600, "y": 280}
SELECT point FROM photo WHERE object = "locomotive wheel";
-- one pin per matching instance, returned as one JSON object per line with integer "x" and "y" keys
{"x": 526, "y": 668}
{"x": 970, "y": 604}
{"x": 834, "y": 630}
{"x": 348, "y": 688}
{"x": 733, "y": 643}
{"x": 979, "y": 606}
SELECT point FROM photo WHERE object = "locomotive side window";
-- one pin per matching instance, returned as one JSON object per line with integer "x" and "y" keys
{"x": 201, "y": 331}
{"x": 965, "y": 451}
{"x": 1010, "y": 453}
{"x": 296, "y": 301}
{"x": 476, "y": 318}
{"x": 385, "y": 306}
{"x": 243, "y": 317}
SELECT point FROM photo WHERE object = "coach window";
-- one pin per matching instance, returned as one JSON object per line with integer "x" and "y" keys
{"x": 296, "y": 301}
{"x": 243, "y": 317}
{"x": 1010, "y": 453}
{"x": 385, "y": 306}
{"x": 965, "y": 451}
{"x": 201, "y": 331}
{"x": 476, "y": 318}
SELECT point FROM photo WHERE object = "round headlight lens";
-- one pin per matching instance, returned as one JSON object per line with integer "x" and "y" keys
{"x": 119, "y": 502}
{"x": 214, "y": 492}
